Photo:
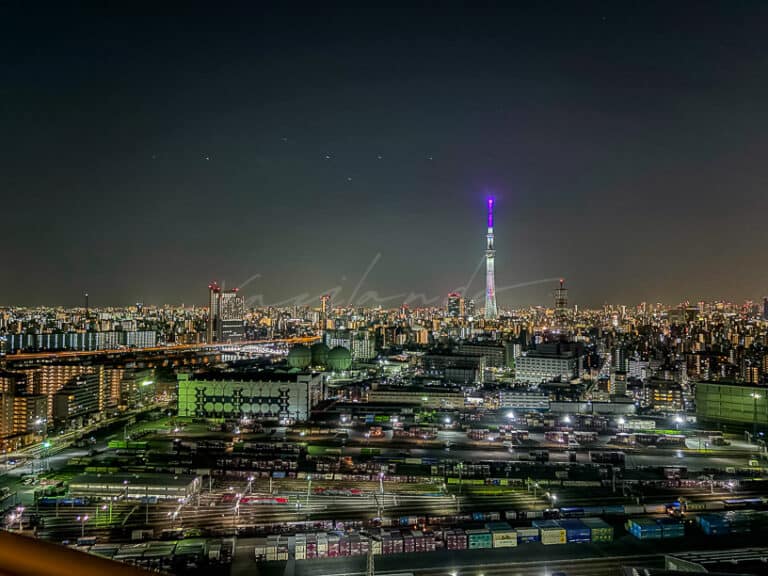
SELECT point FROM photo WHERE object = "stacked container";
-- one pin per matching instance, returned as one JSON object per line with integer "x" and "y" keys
{"x": 479, "y": 538}
{"x": 714, "y": 524}
{"x": 300, "y": 547}
{"x": 575, "y": 530}
{"x": 671, "y": 528}
{"x": 455, "y": 539}
{"x": 418, "y": 540}
{"x": 550, "y": 531}
{"x": 528, "y": 535}
{"x": 311, "y": 546}
{"x": 333, "y": 549}
{"x": 260, "y": 549}
{"x": 644, "y": 528}
{"x": 600, "y": 530}
{"x": 322, "y": 546}
{"x": 375, "y": 545}
{"x": 272, "y": 547}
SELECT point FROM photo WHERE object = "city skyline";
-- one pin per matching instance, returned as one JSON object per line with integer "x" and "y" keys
{"x": 263, "y": 145}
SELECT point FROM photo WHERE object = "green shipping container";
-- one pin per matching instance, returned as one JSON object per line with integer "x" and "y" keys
{"x": 600, "y": 530}
{"x": 479, "y": 539}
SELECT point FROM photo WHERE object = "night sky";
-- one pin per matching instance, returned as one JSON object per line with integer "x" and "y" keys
{"x": 144, "y": 154}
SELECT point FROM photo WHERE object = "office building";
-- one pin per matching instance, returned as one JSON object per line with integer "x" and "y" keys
{"x": 549, "y": 362}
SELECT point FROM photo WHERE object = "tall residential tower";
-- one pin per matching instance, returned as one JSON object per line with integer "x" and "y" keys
{"x": 490, "y": 279}
{"x": 561, "y": 306}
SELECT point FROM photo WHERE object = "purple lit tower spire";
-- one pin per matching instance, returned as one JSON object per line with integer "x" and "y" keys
{"x": 490, "y": 277}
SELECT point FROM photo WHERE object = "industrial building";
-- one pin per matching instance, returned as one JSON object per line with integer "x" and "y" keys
{"x": 259, "y": 394}
{"x": 527, "y": 400}
{"x": 496, "y": 354}
{"x": 455, "y": 368}
{"x": 161, "y": 486}
{"x": 428, "y": 397}
{"x": 732, "y": 403}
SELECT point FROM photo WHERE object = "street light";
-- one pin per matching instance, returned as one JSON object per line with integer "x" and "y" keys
{"x": 552, "y": 499}
{"x": 82, "y": 520}
{"x": 20, "y": 515}
{"x": 510, "y": 415}
{"x": 567, "y": 419}
{"x": 755, "y": 396}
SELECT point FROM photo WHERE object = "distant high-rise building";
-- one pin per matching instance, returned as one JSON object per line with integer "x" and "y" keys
{"x": 455, "y": 306}
{"x": 561, "y": 305}
{"x": 213, "y": 310}
{"x": 469, "y": 307}
{"x": 231, "y": 316}
{"x": 226, "y": 314}
{"x": 325, "y": 310}
{"x": 765, "y": 308}
{"x": 490, "y": 276}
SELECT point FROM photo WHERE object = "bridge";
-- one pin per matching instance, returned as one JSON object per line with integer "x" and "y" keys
{"x": 67, "y": 354}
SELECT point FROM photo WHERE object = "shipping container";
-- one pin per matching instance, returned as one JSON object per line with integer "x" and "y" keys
{"x": 575, "y": 531}
{"x": 528, "y": 535}
{"x": 552, "y": 536}
{"x": 504, "y": 538}
{"x": 713, "y": 524}
{"x": 644, "y": 528}
{"x": 479, "y": 538}
{"x": 600, "y": 530}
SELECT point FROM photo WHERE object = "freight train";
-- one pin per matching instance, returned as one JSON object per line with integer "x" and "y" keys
{"x": 674, "y": 508}
{"x": 682, "y": 506}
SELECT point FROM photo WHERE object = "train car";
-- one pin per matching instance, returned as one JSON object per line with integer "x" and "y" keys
{"x": 616, "y": 458}
{"x": 736, "y": 503}
{"x": 263, "y": 500}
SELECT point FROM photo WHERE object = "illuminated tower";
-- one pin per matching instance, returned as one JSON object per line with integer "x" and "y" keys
{"x": 490, "y": 278}
{"x": 561, "y": 305}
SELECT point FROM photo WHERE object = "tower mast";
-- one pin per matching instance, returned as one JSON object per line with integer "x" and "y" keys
{"x": 490, "y": 278}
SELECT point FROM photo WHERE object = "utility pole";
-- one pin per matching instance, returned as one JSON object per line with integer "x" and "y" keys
{"x": 369, "y": 570}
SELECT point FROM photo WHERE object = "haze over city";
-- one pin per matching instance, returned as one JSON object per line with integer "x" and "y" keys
{"x": 147, "y": 154}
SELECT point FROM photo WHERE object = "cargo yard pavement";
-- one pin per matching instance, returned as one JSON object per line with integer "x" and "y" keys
{"x": 523, "y": 560}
